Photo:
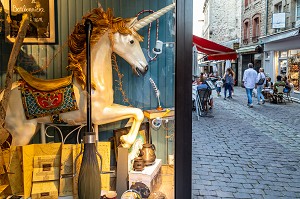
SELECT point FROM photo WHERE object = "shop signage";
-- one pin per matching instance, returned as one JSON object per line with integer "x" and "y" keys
{"x": 42, "y": 20}
{"x": 278, "y": 20}
{"x": 236, "y": 46}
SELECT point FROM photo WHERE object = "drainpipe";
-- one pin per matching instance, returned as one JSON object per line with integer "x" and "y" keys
{"x": 267, "y": 13}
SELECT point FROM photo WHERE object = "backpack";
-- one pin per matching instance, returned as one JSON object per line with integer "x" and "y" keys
{"x": 261, "y": 81}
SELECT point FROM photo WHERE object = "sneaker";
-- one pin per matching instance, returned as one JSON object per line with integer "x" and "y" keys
{"x": 224, "y": 98}
{"x": 263, "y": 102}
{"x": 258, "y": 103}
{"x": 250, "y": 105}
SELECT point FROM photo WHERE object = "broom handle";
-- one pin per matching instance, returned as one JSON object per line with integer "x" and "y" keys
{"x": 88, "y": 30}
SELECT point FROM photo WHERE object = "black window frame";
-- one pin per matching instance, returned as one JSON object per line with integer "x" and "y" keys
{"x": 183, "y": 102}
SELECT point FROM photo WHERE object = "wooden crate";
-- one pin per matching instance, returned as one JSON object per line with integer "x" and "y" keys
{"x": 45, "y": 190}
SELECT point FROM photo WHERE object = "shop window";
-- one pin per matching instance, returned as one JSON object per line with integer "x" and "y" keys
{"x": 294, "y": 69}
{"x": 246, "y": 32}
{"x": 255, "y": 28}
{"x": 138, "y": 92}
{"x": 283, "y": 66}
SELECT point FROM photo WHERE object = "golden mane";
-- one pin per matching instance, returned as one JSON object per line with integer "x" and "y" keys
{"x": 102, "y": 22}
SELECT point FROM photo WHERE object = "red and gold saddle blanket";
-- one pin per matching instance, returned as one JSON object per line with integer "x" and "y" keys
{"x": 38, "y": 103}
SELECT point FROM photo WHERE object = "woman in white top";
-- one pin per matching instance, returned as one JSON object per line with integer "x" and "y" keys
{"x": 260, "y": 82}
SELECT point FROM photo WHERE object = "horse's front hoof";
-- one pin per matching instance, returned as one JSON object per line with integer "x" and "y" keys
{"x": 124, "y": 142}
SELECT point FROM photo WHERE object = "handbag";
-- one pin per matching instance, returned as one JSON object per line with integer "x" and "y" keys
{"x": 261, "y": 81}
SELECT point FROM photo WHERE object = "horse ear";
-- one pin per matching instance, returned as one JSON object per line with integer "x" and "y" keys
{"x": 131, "y": 22}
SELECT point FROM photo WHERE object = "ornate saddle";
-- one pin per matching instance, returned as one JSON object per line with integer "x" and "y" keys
{"x": 44, "y": 84}
{"x": 46, "y": 97}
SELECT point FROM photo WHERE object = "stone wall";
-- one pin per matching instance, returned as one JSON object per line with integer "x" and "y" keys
{"x": 223, "y": 21}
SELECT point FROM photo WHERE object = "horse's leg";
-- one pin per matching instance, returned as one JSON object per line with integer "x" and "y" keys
{"x": 22, "y": 131}
{"x": 117, "y": 112}
{"x": 16, "y": 123}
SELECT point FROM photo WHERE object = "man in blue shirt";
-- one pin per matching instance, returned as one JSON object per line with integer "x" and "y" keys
{"x": 249, "y": 81}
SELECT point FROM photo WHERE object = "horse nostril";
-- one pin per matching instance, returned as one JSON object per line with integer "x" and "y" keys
{"x": 146, "y": 68}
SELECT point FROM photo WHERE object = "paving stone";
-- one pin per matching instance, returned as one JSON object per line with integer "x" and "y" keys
{"x": 241, "y": 195}
{"x": 211, "y": 187}
{"x": 208, "y": 193}
{"x": 256, "y": 196}
{"x": 233, "y": 154}
{"x": 224, "y": 194}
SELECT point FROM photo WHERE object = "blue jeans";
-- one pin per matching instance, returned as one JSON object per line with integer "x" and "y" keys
{"x": 227, "y": 87}
{"x": 259, "y": 94}
{"x": 249, "y": 95}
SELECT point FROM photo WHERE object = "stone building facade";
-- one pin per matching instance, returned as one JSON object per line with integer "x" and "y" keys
{"x": 253, "y": 27}
{"x": 222, "y": 24}
{"x": 282, "y": 41}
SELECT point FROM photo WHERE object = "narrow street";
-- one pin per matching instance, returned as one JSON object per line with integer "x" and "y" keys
{"x": 246, "y": 152}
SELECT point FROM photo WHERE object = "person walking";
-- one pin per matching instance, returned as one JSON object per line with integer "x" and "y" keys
{"x": 228, "y": 77}
{"x": 260, "y": 82}
{"x": 249, "y": 80}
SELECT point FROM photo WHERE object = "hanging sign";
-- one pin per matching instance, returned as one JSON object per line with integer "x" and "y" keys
{"x": 278, "y": 20}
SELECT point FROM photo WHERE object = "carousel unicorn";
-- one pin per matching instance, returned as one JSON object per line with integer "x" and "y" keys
{"x": 33, "y": 101}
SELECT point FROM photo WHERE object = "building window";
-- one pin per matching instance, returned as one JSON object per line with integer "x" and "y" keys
{"x": 278, "y": 7}
{"x": 255, "y": 28}
{"x": 246, "y": 32}
{"x": 298, "y": 11}
{"x": 246, "y": 3}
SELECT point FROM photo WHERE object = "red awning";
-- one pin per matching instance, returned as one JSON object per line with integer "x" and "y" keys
{"x": 213, "y": 50}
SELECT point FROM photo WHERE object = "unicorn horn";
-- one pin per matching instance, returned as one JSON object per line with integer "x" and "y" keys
{"x": 150, "y": 18}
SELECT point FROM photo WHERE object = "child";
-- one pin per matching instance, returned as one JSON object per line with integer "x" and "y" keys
{"x": 219, "y": 84}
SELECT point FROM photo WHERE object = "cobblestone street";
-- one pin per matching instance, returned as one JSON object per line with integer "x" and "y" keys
{"x": 246, "y": 152}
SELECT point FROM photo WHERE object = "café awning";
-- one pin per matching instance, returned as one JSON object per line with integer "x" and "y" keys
{"x": 213, "y": 50}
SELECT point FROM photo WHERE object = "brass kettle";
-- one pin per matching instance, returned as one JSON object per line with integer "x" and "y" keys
{"x": 148, "y": 154}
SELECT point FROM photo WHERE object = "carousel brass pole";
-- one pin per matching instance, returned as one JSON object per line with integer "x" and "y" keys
{"x": 89, "y": 182}
{"x": 4, "y": 134}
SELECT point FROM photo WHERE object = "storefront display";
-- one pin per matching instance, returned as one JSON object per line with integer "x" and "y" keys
{"x": 55, "y": 170}
{"x": 294, "y": 71}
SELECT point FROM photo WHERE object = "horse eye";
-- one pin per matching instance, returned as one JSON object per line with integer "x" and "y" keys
{"x": 131, "y": 41}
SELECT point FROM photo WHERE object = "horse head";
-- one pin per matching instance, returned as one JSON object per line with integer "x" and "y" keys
{"x": 128, "y": 47}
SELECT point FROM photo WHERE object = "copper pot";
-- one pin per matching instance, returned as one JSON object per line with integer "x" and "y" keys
{"x": 149, "y": 154}
{"x": 138, "y": 164}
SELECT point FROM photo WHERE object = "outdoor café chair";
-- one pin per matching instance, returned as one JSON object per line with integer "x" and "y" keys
{"x": 202, "y": 101}
{"x": 278, "y": 95}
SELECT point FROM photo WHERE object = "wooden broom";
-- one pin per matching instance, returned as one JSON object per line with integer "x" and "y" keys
{"x": 89, "y": 181}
